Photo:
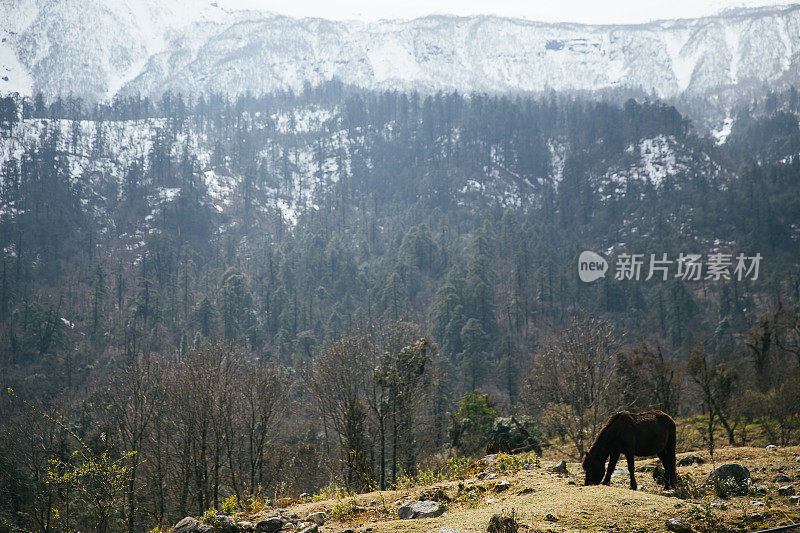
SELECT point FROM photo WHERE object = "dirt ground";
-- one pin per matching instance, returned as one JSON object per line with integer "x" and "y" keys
{"x": 546, "y": 501}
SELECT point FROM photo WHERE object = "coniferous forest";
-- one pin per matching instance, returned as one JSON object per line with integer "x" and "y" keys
{"x": 264, "y": 296}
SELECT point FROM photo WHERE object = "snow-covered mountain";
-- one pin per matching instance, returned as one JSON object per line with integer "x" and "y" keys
{"x": 97, "y": 49}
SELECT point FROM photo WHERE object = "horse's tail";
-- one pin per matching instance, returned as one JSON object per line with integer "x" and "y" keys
{"x": 670, "y": 468}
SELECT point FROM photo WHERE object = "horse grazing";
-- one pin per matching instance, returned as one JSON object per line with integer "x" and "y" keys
{"x": 632, "y": 434}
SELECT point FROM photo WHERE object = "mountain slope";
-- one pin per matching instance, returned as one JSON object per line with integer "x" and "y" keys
{"x": 194, "y": 47}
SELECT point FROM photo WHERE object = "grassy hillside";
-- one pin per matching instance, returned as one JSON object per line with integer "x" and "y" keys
{"x": 548, "y": 501}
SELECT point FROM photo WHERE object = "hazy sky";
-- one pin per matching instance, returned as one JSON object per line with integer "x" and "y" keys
{"x": 587, "y": 11}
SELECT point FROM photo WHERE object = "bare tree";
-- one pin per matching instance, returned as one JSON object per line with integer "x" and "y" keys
{"x": 572, "y": 376}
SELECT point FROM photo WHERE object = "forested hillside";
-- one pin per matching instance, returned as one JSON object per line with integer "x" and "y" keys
{"x": 275, "y": 294}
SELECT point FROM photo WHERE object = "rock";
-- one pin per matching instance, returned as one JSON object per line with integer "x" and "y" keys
{"x": 645, "y": 468}
{"x": 436, "y": 494}
{"x": 420, "y": 509}
{"x": 718, "y": 505}
{"x": 786, "y": 490}
{"x": 689, "y": 460}
{"x": 728, "y": 471}
{"x": 678, "y": 526}
{"x": 490, "y": 501}
{"x": 551, "y": 517}
{"x": 502, "y": 486}
{"x": 559, "y": 468}
{"x": 658, "y": 474}
{"x": 449, "y": 531}
{"x": 304, "y": 495}
{"x": 190, "y": 525}
{"x": 318, "y": 518}
{"x": 503, "y": 524}
{"x": 526, "y": 490}
{"x": 782, "y": 478}
{"x": 758, "y": 489}
{"x": 225, "y": 524}
{"x": 771, "y": 448}
{"x": 245, "y": 526}
{"x": 757, "y": 503}
{"x": 270, "y": 525}
{"x": 313, "y": 528}
{"x": 347, "y": 531}
{"x": 794, "y": 499}
{"x": 493, "y": 476}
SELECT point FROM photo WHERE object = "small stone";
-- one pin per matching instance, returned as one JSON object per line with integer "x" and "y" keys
{"x": 318, "y": 518}
{"x": 678, "y": 526}
{"x": 304, "y": 495}
{"x": 420, "y": 509}
{"x": 559, "y": 468}
{"x": 490, "y": 501}
{"x": 782, "y": 478}
{"x": 786, "y": 490}
{"x": 757, "y": 503}
{"x": 645, "y": 468}
{"x": 313, "y": 528}
{"x": 551, "y": 517}
{"x": 244, "y": 525}
{"x": 526, "y": 490}
{"x": 794, "y": 499}
{"x": 502, "y": 486}
{"x": 771, "y": 448}
{"x": 718, "y": 505}
{"x": 758, "y": 489}
{"x": 493, "y": 476}
{"x": 449, "y": 531}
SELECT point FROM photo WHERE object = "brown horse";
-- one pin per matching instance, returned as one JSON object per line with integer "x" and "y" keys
{"x": 635, "y": 435}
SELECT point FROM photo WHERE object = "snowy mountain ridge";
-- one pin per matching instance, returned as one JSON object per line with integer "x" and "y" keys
{"x": 100, "y": 49}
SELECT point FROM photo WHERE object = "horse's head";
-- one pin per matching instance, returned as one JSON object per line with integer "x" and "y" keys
{"x": 594, "y": 469}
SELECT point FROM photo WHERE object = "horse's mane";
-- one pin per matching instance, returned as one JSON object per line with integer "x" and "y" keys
{"x": 603, "y": 434}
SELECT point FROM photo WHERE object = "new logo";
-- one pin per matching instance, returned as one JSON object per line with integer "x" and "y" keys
{"x": 591, "y": 266}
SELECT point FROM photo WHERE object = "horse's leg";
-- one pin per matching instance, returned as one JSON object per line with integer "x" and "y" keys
{"x": 670, "y": 474}
{"x": 612, "y": 465}
{"x": 667, "y": 457}
{"x": 629, "y": 457}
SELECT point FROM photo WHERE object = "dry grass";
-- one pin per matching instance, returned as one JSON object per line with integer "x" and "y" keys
{"x": 579, "y": 508}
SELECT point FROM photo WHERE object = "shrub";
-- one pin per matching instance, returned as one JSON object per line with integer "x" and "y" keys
{"x": 725, "y": 488}
{"x": 454, "y": 468}
{"x": 229, "y": 505}
{"x": 687, "y": 487}
{"x": 345, "y": 509}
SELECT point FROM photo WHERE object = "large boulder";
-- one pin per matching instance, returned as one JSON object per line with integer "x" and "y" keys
{"x": 190, "y": 525}
{"x": 270, "y": 525}
{"x": 421, "y": 509}
{"x": 318, "y": 518}
{"x": 691, "y": 460}
{"x": 729, "y": 471}
{"x": 225, "y": 524}
{"x": 678, "y": 526}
